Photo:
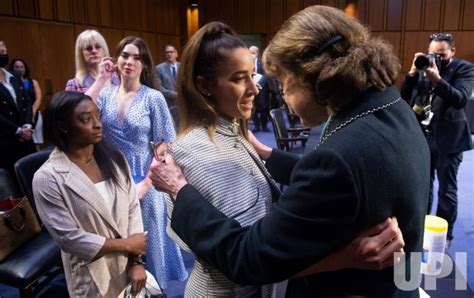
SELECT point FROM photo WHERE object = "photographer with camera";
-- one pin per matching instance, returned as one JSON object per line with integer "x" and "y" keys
{"x": 438, "y": 87}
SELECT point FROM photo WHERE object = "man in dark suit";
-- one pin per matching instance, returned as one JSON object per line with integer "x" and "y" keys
{"x": 439, "y": 94}
{"x": 15, "y": 116}
{"x": 262, "y": 100}
{"x": 167, "y": 73}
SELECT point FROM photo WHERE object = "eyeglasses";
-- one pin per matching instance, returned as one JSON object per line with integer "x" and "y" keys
{"x": 90, "y": 48}
{"x": 441, "y": 36}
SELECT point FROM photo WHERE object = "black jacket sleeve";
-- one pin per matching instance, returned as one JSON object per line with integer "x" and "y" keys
{"x": 458, "y": 87}
{"x": 300, "y": 229}
{"x": 281, "y": 164}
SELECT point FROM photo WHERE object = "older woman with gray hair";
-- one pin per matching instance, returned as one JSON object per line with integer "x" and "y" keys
{"x": 372, "y": 163}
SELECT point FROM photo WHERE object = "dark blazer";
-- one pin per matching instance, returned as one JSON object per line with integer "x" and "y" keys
{"x": 373, "y": 168}
{"x": 260, "y": 69}
{"x": 449, "y": 125}
{"x": 167, "y": 82}
{"x": 14, "y": 115}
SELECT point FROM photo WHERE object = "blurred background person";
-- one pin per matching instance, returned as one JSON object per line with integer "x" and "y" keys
{"x": 16, "y": 116}
{"x": 167, "y": 72}
{"x": 91, "y": 49}
{"x": 261, "y": 109}
{"x": 134, "y": 114}
{"x": 34, "y": 91}
{"x": 87, "y": 201}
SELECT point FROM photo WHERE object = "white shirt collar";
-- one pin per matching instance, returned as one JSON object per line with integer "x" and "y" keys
{"x": 8, "y": 75}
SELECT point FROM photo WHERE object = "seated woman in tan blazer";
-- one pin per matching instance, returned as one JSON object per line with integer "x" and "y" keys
{"x": 87, "y": 201}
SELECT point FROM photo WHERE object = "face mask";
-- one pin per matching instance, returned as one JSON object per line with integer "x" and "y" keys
{"x": 21, "y": 71}
{"x": 4, "y": 60}
{"x": 444, "y": 63}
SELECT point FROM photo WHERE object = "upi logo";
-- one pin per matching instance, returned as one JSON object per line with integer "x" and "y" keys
{"x": 443, "y": 262}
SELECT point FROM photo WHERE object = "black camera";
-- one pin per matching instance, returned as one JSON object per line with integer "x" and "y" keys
{"x": 424, "y": 61}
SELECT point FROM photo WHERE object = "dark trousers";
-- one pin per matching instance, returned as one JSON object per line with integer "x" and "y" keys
{"x": 446, "y": 167}
{"x": 260, "y": 119}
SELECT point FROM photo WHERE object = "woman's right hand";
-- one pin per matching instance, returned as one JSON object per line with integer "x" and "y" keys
{"x": 136, "y": 244}
{"x": 106, "y": 68}
{"x": 262, "y": 150}
{"x": 166, "y": 175}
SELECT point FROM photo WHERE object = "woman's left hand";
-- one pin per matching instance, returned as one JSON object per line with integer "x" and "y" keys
{"x": 166, "y": 176}
{"x": 373, "y": 249}
{"x": 137, "y": 277}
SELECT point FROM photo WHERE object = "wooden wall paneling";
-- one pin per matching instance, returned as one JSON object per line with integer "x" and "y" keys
{"x": 22, "y": 40}
{"x": 159, "y": 13}
{"x": 161, "y": 41}
{"x": 26, "y": 8}
{"x": 93, "y": 12}
{"x": 210, "y": 11}
{"x": 292, "y": 7}
{"x": 112, "y": 37}
{"x": 63, "y": 10}
{"x": 413, "y": 14}
{"x": 259, "y": 16}
{"x": 151, "y": 12}
{"x": 362, "y": 13}
{"x": 111, "y": 13}
{"x": 62, "y": 36}
{"x": 332, "y": 3}
{"x": 133, "y": 33}
{"x": 6, "y": 7}
{"x": 277, "y": 13}
{"x": 452, "y": 15}
{"x": 464, "y": 47}
{"x": 78, "y": 28}
{"x": 227, "y": 9}
{"x": 376, "y": 14}
{"x": 131, "y": 14}
{"x": 243, "y": 16}
{"x": 167, "y": 17}
{"x": 105, "y": 13}
{"x": 174, "y": 40}
{"x": 307, "y": 3}
{"x": 413, "y": 42}
{"x": 467, "y": 17}
{"x": 150, "y": 39}
{"x": 178, "y": 17}
{"x": 394, "y": 15}
{"x": 394, "y": 38}
{"x": 432, "y": 20}
{"x": 116, "y": 13}
{"x": 79, "y": 11}
{"x": 46, "y": 9}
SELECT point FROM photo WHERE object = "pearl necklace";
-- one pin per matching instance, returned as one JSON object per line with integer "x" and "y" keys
{"x": 325, "y": 136}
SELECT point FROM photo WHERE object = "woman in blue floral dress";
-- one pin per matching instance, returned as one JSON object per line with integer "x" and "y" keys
{"x": 133, "y": 114}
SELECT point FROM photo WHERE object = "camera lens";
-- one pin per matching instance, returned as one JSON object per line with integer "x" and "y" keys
{"x": 422, "y": 62}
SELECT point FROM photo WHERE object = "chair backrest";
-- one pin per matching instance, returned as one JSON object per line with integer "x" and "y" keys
{"x": 26, "y": 168}
{"x": 279, "y": 126}
{"x": 8, "y": 186}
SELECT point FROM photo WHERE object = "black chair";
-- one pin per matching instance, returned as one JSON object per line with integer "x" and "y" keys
{"x": 285, "y": 137}
{"x": 40, "y": 256}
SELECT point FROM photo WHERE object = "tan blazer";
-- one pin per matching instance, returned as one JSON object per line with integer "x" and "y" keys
{"x": 75, "y": 214}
